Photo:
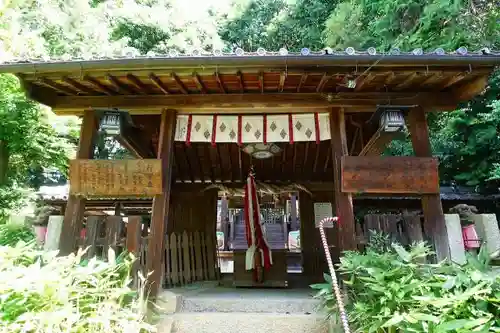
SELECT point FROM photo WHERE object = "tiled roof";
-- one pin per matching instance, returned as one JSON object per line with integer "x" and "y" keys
{"x": 131, "y": 53}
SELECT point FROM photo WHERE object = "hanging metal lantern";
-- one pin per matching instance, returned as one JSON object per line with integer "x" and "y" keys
{"x": 111, "y": 123}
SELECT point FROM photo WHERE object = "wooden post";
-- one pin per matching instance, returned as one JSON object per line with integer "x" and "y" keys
{"x": 73, "y": 216}
{"x": 161, "y": 202}
{"x": 294, "y": 225}
{"x": 343, "y": 201}
{"x": 224, "y": 220}
{"x": 434, "y": 222}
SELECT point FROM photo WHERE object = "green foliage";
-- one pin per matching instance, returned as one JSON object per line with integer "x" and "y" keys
{"x": 275, "y": 24}
{"x": 42, "y": 292}
{"x": 11, "y": 234}
{"x": 395, "y": 290}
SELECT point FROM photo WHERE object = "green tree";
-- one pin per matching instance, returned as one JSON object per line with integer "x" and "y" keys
{"x": 28, "y": 143}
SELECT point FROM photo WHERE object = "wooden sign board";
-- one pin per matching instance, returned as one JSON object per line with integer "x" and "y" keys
{"x": 115, "y": 178}
{"x": 377, "y": 174}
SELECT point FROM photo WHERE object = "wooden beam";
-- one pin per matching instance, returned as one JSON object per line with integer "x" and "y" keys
{"x": 303, "y": 80}
{"x": 343, "y": 201}
{"x": 158, "y": 83}
{"x": 261, "y": 82}
{"x": 220, "y": 83}
{"x": 454, "y": 79}
{"x": 179, "y": 83}
{"x": 470, "y": 89}
{"x": 73, "y": 217}
{"x": 59, "y": 87}
{"x": 161, "y": 203}
{"x": 282, "y": 81}
{"x": 119, "y": 85}
{"x": 139, "y": 86}
{"x": 367, "y": 80}
{"x": 78, "y": 86}
{"x": 434, "y": 223}
{"x": 199, "y": 83}
{"x": 277, "y": 102}
{"x": 99, "y": 86}
{"x": 241, "y": 83}
{"x": 390, "y": 174}
{"x": 137, "y": 142}
{"x": 378, "y": 142}
{"x": 324, "y": 80}
{"x": 407, "y": 82}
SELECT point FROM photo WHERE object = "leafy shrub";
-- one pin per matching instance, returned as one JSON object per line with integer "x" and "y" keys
{"x": 396, "y": 291}
{"x": 44, "y": 293}
{"x": 11, "y": 234}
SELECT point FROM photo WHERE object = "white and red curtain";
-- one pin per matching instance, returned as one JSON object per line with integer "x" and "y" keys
{"x": 257, "y": 244}
{"x": 242, "y": 129}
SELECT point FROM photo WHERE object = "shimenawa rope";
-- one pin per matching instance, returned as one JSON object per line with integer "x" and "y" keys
{"x": 335, "y": 284}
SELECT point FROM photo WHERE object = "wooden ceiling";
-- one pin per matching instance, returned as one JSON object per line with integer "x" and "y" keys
{"x": 226, "y": 162}
{"x": 255, "y": 83}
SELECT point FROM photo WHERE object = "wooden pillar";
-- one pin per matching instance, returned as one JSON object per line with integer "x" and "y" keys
{"x": 224, "y": 219}
{"x": 294, "y": 225}
{"x": 73, "y": 215}
{"x": 343, "y": 201}
{"x": 434, "y": 222}
{"x": 156, "y": 245}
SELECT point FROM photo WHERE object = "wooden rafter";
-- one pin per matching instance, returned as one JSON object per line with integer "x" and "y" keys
{"x": 261, "y": 82}
{"x": 454, "y": 79}
{"x": 78, "y": 86}
{"x": 99, "y": 86}
{"x": 199, "y": 83}
{"x": 324, "y": 80}
{"x": 282, "y": 81}
{"x": 158, "y": 83}
{"x": 220, "y": 83}
{"x": 303, "y": 80}
{"x": 118, "y": 85}
{"x": 241, "y": 82}
{"x": 139, "y": 86}
{"x": 59, "y": 87}
{"x": 179, "y": 83}
{"x": 366, "y": 81}
{"x": 407, "y": 82}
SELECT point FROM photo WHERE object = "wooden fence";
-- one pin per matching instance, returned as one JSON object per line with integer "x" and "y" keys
{"x": 188, "y": 256}
{"x": 404, "y": 229}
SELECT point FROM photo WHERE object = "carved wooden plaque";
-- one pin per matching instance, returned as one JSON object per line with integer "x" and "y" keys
{"x": 377, "y": 174}
{"x": 115, "y": 178}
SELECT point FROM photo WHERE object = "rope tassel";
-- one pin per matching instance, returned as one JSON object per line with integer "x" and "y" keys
{"x": 335, "y": 284}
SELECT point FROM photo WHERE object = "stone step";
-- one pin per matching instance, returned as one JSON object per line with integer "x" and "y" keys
{"x": 245, "y": 323}
{"x": 246, "y": 303}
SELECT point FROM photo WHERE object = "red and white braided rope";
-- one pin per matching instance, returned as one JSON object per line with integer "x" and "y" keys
{"x": 335, "y": 284}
